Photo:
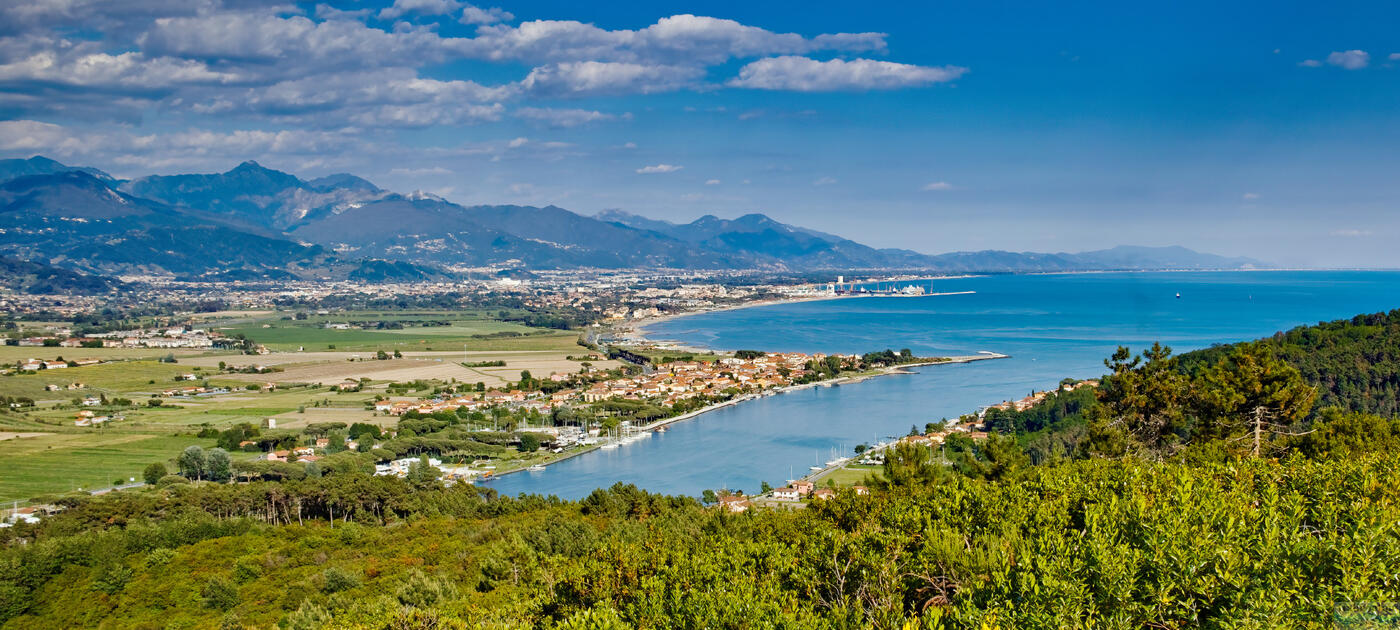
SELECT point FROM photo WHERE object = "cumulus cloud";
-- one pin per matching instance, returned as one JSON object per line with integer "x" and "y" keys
{"x": 333, "y": 74}
{"x": 809, "y": 75}
{"x": 659, "y": 168}
{"x": 1394, "y": 56}
{"x": 679, "y": 39}
{"x": 477, "y": 15}
{"x": 712, "y": 182}
{"x": 937, "y": 186}
{"x": 191, "y": 148}
{"x": 824, "y": 181}
{"x": 1249, "y": 196}
{"x": 290, "y": 46}
{"x": 388, "y": 97}
{"x": 1350, "y": 59}
{"x": 1310, "y": 63}
{"x": 585, "y": 78}
{"x": 131, "y": 69}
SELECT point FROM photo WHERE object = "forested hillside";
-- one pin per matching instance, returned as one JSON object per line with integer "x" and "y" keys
{"x": 1193, "y": 491}
{"x": 1355, "y": 363}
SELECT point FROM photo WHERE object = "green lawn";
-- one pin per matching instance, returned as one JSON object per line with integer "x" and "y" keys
{"x": 62, "y": 462}
{"x": 848, "y": 476}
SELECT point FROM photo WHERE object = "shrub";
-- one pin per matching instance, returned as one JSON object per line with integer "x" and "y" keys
{"x": 336, "y": 579}
{"x": 171, "y": 480}
{"x": 219, "y": 594}
{"x": 159, "y": 557}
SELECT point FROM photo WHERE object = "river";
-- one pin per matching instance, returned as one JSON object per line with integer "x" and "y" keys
{"x": 1054, "y": 326}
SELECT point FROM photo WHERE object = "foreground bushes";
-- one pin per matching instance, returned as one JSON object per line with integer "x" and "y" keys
{"x": 1246, "y": 544}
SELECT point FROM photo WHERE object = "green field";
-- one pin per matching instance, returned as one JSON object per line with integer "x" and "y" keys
{"x": 125, "y": 378}
{"x": 849, "y": 476}
{"x": 69, "y": 457}
{"x": 62, "y": 462}
{"x": 10, "y": 354}
{"x": 291, "y": 335}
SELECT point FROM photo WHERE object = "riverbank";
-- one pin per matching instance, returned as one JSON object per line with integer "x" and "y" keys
{"x": 850, "y": 379}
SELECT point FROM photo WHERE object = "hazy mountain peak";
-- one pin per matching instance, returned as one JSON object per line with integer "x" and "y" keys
{"x": 40, "y": 165}
{"x": 342, "y": 181}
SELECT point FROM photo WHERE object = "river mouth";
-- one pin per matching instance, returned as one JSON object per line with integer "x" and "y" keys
{"x": 1053, "y": 326}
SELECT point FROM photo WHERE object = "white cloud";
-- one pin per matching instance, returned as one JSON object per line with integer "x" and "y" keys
{"x": 809, "y": 75}
{"x": 131, "y": 69}
{"x": 679, "y": 39}
{"x": 389, "y": 97}
{"x": 824, "y": 181}
{"x": 565, "y": 117}
{"x": 1310, "y": 63}
{"x": 712, "y": 182}
{"x": 1352, "y": 233}
{"x": 1350, "y": 59}
{"x": 187, "y": 150}
{"x": 33, "y": 136}
{"x": 476, "y": 15}
{"x": 420, "y": 7}
{"x": 518, "y": 142}
{"x": 583, "y": 78}
{"x": 1249, "y": 196}
{"x": 1394, "y": 56}
{"x": 937, "y": 186}
{"x": 271, "y": 61}
{"x": 659, "y": 168}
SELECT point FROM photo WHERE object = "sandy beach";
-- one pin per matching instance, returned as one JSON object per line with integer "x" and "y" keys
{"x": 638, "y": 328}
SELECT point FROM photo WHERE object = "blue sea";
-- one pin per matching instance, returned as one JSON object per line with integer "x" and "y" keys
{"x": 1053, "y": 326}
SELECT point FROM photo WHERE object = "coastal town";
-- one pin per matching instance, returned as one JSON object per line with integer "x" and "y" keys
{"x": 318, "y": 347}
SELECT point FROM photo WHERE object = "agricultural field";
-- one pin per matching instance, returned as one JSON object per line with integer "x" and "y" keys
{"x": 128, "y": 379}
{"x": 11, "y": 354}
{"x": 55, "y": 463}
{"x": 420, "y": 331}
{"x": 48, "y": 454}
{"x": 45, "y": 453}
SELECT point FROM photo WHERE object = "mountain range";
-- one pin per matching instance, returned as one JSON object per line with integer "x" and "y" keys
{"x": 255, "y": 222}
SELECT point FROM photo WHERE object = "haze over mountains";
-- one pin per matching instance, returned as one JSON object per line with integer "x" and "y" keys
{"x": 253, "y": 222}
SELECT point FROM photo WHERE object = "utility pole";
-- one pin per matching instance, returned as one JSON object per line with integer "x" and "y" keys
{"x": 1258, "y": 427}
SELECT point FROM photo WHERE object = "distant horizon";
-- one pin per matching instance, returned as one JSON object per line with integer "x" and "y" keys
{"x": 601, "y": 215}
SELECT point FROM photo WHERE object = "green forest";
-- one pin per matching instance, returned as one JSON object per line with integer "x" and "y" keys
{"x": 1254, "y": 485}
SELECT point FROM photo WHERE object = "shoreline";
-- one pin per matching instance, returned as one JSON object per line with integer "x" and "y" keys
{"x": 638, "y": 328}
{"x": 835, "y": 382}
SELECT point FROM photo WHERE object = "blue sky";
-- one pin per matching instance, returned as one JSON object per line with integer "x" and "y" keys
{"x": 1260, "y": 129}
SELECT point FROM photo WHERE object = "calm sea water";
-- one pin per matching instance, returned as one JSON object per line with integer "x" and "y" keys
{"x": 1054, "y": 326}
